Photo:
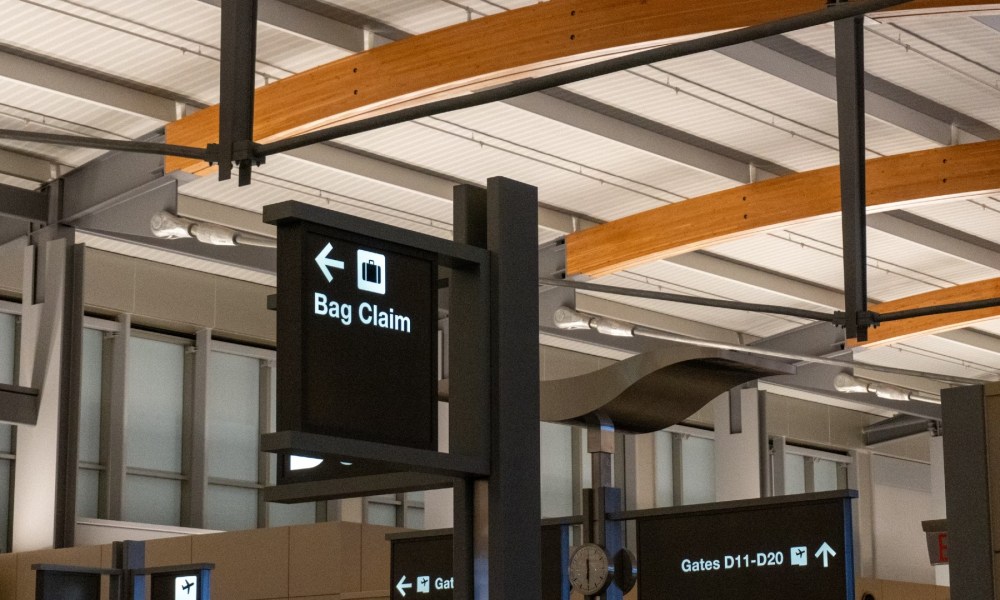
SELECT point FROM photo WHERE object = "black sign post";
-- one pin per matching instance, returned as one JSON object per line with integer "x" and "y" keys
{"x": 783, "y": 548}
{"x": 356, "y": 371}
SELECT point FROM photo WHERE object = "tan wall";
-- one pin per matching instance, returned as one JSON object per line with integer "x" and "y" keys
{"x": 883, "y": 589}
{"x": 325, "y": 561}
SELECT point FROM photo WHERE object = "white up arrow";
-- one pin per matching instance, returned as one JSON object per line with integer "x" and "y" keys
{"x": 402, "y": 586}
{"x": 325, "y": 262}
{"x": 826, "y": 552}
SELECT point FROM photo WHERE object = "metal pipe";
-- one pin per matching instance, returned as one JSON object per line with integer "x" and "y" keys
{"x": 568, "y": 318}
{"x": 105, "y": 144}
{"x": 683, "y": 299}
{"x": 530, "y": 85}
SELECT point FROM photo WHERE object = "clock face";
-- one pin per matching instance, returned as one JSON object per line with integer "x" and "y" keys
{"x": 590, "y": 569}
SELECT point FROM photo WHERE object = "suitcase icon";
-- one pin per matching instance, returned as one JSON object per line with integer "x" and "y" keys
{"x": 371, "y": 272}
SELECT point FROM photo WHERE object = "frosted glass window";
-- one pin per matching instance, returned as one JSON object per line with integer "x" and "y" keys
{"x": 8, "y": 360}
{"x": 5, "y": 483}
{"x": 382, "y": 514}
{"x": 6, "y": 439}
{"x": 795, "y": 474}
{"x": 697, "y": 470}
{"x": 414, "y": 518}
{"x": 233, "y": 426}
{"x": 90, "y": 396}
{"x": 663, "y": 456}
{"x": 825, "y": 475}
{"x": 154, "y": 405}
{"x": 231, "y": 508}
{"x": 556, "y": 470}
{"x": 87, "y": 492}
{"x": 279, "y": 515}
{"x": 8, "y": 348}
{"x": 152, "y": 500}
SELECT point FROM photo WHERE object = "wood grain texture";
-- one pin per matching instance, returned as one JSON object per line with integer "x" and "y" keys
{"x": 895, "y": 331}
{"x": 696, "y": 223}
{"x": 529, "y": 41}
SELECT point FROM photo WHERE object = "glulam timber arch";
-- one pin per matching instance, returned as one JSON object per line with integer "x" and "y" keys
{"x": 891, "y": 182}
{"x": 526, "y": 42}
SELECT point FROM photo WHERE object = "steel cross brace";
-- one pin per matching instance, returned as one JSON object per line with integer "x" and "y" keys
{"x": 850, "y": 56}
{"x": 236, "y": 81}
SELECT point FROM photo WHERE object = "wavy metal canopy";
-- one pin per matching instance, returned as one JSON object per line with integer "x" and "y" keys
{"x": 653, "y": 390}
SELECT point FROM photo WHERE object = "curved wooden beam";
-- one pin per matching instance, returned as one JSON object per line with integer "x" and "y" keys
{"x": 699, "y": 222}
{"x": 542, "y": 38}
{"x": 895, "y": 331}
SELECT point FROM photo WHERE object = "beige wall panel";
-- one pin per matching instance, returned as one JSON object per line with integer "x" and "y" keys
{"x": 915, "y": 447}
{"x": 241, "y": 310}
{"x": 865, "y": 585}
{"x": 249, "y": 565}
{"x": 169, "y": 551}
{"x": 809, "y": 421}
{"x": 8, "y": 576}
{"x": 375, "y": 557}
{"x": 166, "y": 293}
{"x": 777, "y": 415}
{"x": 845, "y": 428}
{"x": 84, "y": 556}
{"x": 901, "y": 590}
{"x": 11, "y": 270}
{"x": 324, "y": 559}
{"x": 109, "y": 281}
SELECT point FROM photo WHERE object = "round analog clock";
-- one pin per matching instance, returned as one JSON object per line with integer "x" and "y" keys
{"x": 590, "y": 569}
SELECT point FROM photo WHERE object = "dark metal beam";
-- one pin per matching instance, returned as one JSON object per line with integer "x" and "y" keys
{"x": 849, "y": 37}
{"x": 236, "y": 78}
{"x": 18, "y": 405}
{"x": 22, "y": 204}
{"x": 352, "y": 487}
{"x": 895, "y": 428}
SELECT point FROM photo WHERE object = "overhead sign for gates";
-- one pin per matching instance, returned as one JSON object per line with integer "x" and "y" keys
{"x": 422, "y": 569}
{"x": 784, "y": 550}
{"x": 357, "y": 321}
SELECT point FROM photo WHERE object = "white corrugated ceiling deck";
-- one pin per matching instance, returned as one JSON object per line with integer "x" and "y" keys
{"x": 172, "y": 45}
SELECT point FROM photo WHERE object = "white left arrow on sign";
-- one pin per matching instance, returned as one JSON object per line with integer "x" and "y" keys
{"x": 326, "y": 263}
{"x": 402, "y": 586}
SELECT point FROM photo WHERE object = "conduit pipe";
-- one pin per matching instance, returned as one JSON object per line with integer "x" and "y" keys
{"x": 568, "y": 319}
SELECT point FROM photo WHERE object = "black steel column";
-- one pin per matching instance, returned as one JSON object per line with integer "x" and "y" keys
{"x": 971, "y": 419}
{"x": 236, "y": 87}
{"x": 69, "y": 395}
{"x": 469, "y": 394}
{"x": 514, "y": 490}
{"x": 849, "y": 35}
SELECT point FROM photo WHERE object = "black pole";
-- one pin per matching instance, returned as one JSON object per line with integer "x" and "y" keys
{"x": 849, "y": 35}
{"x": 80, "y": 141}
{"x": 695, "y": 300}
{"x": 236, "y": 87}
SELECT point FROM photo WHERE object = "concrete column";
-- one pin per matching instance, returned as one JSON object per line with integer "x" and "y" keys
{"x": 942, "y": 574}
{"x": 737, "y": 445}
{"x": 38, "y": 512}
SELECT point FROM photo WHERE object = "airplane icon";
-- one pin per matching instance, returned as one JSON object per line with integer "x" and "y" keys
{"x": 800, "y": 556}
{"x": 183, "y": 587}
{"x": 187, "y": 586}
{"x": 800, "y": 552}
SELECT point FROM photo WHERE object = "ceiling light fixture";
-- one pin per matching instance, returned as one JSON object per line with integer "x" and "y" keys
{"x": 851, "y": 384}
{"x": 171, "y": 227}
